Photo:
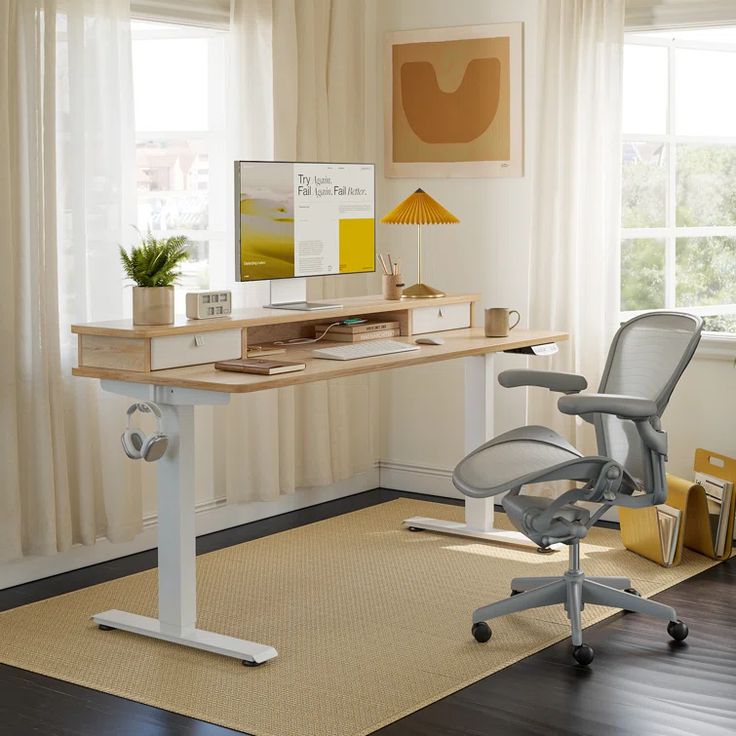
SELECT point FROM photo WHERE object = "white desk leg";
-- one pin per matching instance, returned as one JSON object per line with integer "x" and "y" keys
{"x": 479, "y": 390}
{"x": 177, "y": 580}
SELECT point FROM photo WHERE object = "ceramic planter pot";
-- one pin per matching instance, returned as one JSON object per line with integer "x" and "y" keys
{"x": 153, "y": 305}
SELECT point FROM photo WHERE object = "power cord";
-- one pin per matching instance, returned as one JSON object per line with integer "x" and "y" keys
{"x": 306, "y": 340}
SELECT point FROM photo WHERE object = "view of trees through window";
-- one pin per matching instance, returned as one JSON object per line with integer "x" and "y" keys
{"x": 678, "y": 245}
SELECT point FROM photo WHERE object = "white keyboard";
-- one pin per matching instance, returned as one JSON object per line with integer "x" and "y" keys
{"x": 366, "y": 349}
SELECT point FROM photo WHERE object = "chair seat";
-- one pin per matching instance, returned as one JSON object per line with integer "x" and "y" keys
{"x": 511, "y": 460}
{"x": 522, "y": 511}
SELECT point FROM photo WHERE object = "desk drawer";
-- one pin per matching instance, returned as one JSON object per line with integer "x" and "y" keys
{"x": 443, "y": 317}
{"x": 172, "y": 351}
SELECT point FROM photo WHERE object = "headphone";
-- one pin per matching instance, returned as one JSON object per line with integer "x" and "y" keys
{"x": 136, "y": 443}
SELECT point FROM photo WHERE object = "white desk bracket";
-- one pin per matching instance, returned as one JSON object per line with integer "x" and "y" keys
{"x": 177, "y": 588}
{"x": 480, "y": 380}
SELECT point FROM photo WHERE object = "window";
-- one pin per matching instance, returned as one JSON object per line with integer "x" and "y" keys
{"x": 182, "y": 175}
{"x": 678, "y": 247}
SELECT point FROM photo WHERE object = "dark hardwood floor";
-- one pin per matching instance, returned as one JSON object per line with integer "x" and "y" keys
{"x": 639, "y": 685}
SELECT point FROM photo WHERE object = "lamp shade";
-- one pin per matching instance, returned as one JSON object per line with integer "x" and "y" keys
{"x": 419, "y": 209}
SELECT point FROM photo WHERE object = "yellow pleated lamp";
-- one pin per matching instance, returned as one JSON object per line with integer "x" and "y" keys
{"x": 420, "y": 209}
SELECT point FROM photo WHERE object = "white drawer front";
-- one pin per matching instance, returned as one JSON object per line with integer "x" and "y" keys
{"x": 193, "y": 348}
{"x": 445, "y": 317}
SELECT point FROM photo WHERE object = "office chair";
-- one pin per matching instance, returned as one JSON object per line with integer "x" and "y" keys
{"x": 647, "y": 357}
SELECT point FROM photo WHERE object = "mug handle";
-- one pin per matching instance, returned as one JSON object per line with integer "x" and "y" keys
{"x": 518, "y": 319}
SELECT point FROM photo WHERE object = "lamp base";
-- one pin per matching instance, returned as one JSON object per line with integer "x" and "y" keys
{"x": 421, "y": 291}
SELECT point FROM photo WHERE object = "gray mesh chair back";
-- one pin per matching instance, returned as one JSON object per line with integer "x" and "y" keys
{"x": 647, "y": 357}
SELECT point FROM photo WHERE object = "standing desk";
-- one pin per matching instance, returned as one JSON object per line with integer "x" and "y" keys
{"x": 125, "y": 359}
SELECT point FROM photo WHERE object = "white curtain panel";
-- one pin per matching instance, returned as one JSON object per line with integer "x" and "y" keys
{"x": 298, "y": 89}
{"x": 96, "y": 211}
{"x": 66, "y": 152}
{"x": 576, "y": 205}
{"x": 34, "y": 492}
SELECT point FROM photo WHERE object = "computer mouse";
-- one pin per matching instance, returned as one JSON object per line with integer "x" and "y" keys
{"x": 429, "y": 340}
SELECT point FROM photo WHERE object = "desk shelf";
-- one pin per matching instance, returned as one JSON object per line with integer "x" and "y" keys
{"x": 144, "y": 348}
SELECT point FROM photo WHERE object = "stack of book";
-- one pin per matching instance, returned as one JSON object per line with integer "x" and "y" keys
{"x": 368, "y": 330}
{"x": 718, "y": 492}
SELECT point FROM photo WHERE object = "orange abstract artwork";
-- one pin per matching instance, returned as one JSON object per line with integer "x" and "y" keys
{"x": 454, "y": 110}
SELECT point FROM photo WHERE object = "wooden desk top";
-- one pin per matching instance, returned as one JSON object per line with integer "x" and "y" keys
{"x": 458, "y": 344}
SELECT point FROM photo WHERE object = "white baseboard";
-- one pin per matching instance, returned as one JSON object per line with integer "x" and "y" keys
{"x": 212, "y": 516}
{"x": 417, "y": 479}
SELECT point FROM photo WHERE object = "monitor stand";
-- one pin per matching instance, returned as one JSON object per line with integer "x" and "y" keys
{"x": 292, "y": 294}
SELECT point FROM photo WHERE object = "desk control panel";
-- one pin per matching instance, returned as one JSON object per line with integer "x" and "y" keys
{"x": 547, "y": 348}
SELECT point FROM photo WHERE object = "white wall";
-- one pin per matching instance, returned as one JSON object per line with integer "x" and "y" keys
{"x": 702, "y": 412}
{"x": 488, "y": 252}
{"x": 422, "y": 408}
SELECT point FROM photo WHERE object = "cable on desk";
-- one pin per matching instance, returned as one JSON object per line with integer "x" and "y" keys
{"x": 306, "y": 340}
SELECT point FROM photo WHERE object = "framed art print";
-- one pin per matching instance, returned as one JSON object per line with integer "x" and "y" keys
{"x": 454, "y": 102}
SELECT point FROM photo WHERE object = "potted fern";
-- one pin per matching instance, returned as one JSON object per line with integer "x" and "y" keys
{"x": 153, "y": 267}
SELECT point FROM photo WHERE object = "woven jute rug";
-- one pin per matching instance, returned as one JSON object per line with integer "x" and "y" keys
{"x": 371, "y": 622}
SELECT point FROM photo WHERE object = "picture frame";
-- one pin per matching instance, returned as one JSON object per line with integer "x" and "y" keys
{"x": 453, "y": 102}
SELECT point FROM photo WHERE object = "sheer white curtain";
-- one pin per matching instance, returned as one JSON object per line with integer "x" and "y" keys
{"x": 576, "y": 220}
{"x": 67, "y": 199}
{"x": 66, "y": 167}
{"x": 299, "y": 87}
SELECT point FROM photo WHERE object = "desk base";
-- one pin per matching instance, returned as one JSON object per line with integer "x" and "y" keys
{"x": 247, "y": 651}
{"x": 516, "y": 539}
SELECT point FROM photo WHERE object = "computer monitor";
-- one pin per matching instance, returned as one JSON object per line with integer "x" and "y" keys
{"x": 295, "y": 220}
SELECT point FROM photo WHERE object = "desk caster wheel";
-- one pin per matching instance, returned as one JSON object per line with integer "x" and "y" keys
{"x": 414, "y": 529}
{"x": 678, "y": 630}
{"x": 105, "y": 627}
{"x": 250, "y": 663}
{"x": 481, "y": 632}
{"x": 583, "y": 654}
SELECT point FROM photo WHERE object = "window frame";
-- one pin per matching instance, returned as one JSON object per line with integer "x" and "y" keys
{"x": 717, "y": 342}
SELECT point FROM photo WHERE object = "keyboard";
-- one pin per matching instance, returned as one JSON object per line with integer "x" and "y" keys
{"x": 366, "y": 349}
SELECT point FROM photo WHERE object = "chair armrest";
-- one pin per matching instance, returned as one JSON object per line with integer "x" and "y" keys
{"x": 625, "y": 407}
{"x": 566, "y": 383}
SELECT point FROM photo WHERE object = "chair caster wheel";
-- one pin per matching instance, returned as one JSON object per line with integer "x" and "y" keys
{"x": 545, "y": 550}
{"x": 583, "y": 654}
{"x": 516, "y": 592}
{"x": 414, "y": 529}
{"x": 249, "y": 663}
{"x": 105, "y": 627}
{"x": 481, "y": 632}
{"x": 678, "y": 630}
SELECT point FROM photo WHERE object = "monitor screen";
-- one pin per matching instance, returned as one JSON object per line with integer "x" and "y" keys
{"x": 303, "y": 219}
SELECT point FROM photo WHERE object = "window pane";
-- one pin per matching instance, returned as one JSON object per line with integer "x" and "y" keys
{"x": 644, "y": 181}
{"x": 194, "y": 271}
{"x": 642, "y": 274}
{"x": 170, "y": 83}
{"x": 704, "y": 101}
{"x": 645, "y": 89}
{"x": 720, "y": 323}
{"x": 705, "y": 185}
{"x": 173, "y": 181}
{"x": 706, "y": 271}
